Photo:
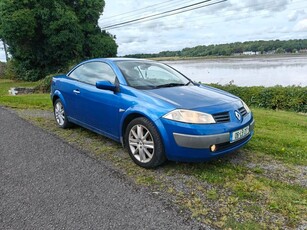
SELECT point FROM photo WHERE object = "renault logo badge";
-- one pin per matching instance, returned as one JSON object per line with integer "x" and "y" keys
{"x": 238, "y": 115}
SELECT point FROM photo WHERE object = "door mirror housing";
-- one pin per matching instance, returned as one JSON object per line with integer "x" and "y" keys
{"x": 106, "y": 85}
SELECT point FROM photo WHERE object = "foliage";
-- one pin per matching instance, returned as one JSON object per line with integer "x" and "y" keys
{"x": 9, "y": 71}
{"x": 292, "y": 98}
{"x": 277, "y": 46}
{"x": 44, "y": 85}
{"x": 2, "y": 69}
{"x": 46, "y": 36}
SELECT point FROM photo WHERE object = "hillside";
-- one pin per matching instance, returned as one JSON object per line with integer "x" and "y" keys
{"x": 236, "y": 49}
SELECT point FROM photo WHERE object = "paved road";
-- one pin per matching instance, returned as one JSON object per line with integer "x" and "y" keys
{"x": 48, "y": 184}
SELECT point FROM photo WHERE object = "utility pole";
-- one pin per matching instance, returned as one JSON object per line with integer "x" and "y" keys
{"x": 5, "y": 50}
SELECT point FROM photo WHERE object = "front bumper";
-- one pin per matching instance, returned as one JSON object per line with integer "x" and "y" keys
{"x": 191, "y": 143}
{"x": 204, "y": 141}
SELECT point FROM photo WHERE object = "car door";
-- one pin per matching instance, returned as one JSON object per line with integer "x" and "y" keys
{"x": 95, "y": 108}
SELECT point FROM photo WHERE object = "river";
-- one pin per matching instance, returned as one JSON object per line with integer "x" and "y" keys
{"x": 251, "y": 71}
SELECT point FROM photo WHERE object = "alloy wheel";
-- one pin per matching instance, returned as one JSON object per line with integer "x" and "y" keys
{"x": 141, "y": 143}
{"x": 59, "y": 113}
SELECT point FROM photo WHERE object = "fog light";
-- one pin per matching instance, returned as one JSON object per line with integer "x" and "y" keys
{"x": 213, "y": 148}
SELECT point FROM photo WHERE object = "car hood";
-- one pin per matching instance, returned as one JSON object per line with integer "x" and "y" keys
{"x": 192, "y": 97}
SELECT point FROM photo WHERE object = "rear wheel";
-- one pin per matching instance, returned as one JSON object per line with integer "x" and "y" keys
{"x": 60, "y": 115}
{"x": 144, "y": 143}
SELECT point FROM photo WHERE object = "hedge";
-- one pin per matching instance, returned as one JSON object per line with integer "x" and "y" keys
{"x": 292, "y": 98}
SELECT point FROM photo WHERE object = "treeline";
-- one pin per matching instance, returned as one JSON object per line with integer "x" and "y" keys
{"x": 237, "y": 48}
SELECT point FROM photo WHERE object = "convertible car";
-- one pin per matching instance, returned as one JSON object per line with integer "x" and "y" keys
{"x": 151, "y": 109}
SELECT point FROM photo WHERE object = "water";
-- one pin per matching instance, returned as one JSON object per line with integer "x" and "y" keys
{"x": 253, "y": 71}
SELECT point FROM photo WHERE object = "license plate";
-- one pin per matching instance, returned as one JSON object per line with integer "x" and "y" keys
{"x": 239, "y": 134}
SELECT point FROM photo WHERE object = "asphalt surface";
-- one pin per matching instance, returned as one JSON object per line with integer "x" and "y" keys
{"x": 48, "y": 184}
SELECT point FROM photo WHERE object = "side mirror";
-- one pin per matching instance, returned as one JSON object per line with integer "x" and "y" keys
{"x": 106, "y": 85}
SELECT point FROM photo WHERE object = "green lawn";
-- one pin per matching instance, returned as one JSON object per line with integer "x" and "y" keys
{"x": 280, "y": 134}
{"x": 30, "y": 101}
{"x": 259, "y": 187}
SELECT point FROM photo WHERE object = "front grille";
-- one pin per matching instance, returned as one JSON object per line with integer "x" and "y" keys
{"x": 221, "y": 117}
{"x": 226, "y": 145}
{"x": 243, "y": 111}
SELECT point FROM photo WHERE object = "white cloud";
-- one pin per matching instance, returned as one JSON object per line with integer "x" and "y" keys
{"x": 252, "y": 5}
{"x": 294, "y": 15}
{"x": 2, "y": 56}
{"x": 230, "y": 21}
{"x": 301, "y": 26}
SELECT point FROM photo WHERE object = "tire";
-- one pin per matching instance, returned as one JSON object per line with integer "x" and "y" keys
{"x": 60, "y": 114}
{"x": 144, "y": 143}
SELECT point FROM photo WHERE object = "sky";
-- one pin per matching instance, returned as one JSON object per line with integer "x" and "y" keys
{"x": 224, "y": 21}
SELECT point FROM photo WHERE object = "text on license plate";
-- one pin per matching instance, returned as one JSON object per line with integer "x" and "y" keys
{"x": 239, "y": 134}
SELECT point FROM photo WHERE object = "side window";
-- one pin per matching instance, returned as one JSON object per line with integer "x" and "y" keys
{"x": 92, "y": 72}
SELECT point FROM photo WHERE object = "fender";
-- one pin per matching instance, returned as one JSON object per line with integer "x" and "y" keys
{"x": 57, "y": 93}
{"x": 147, "y": 113}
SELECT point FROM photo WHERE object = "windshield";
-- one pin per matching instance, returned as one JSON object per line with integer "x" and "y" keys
{"x": 150, "y": 75}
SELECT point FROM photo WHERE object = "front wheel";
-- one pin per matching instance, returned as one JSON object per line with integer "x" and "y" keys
{"x": 60, "y": 115}
{"x": 144, "y": 143}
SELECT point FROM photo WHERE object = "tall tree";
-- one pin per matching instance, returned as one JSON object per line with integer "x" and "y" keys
{"x": 45, "y": 36}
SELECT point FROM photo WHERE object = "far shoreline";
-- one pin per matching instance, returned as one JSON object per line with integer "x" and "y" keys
{"x": 209, "y": 58}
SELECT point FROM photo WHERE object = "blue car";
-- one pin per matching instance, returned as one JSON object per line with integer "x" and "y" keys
{"x": 153, "y": 110}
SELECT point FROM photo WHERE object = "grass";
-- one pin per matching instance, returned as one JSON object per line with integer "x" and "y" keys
{"x": 259, "y": 187}
{"x": 29, "y": 101}
{"x": 281, "y": 134}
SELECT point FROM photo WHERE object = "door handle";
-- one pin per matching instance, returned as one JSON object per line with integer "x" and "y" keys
{"x": 76, "y": 91}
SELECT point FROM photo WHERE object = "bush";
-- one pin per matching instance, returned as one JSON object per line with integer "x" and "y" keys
{"x": 44, "y": 84}
{"x": 2, "y": 69}
{"x": 292, "y": 98}
{"x": 10, "y": 70}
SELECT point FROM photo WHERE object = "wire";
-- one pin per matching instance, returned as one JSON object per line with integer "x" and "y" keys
{"x": 233, "y": 14}
{"x": 162, "y": 15}
{"x": 133, "y": 11}
{"x": 250, "y": 14}
{"x": 151, "y": 10}
{"x": 268, "y": 6}
{"x": 153, "y": 15}
{"x": 139, "y": 13}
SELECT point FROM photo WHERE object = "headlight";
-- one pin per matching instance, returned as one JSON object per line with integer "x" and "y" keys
{"x": 246, "y": 107}
{"x": 189, "y": 116}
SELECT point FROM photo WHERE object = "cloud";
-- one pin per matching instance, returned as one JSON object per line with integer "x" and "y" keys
{"x": 301, "y": 26}
{"x": 2, "y": 56}
{"x": 293, "y": 16}
{"x": 259, "y": 5}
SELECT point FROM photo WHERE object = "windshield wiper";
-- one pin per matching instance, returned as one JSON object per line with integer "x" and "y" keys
{"x": 169, "y": 85}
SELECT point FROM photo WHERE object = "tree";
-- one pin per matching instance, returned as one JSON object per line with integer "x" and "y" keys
{"x": 45, "y": 36}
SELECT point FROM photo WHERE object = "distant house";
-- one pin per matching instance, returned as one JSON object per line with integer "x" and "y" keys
{"x": 270, "y": 52}
{"x": 251, "y": 53}
{"x": 237, "y": 54}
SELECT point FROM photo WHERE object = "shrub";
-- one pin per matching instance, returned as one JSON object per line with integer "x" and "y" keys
{"x": 2, "y": 69}
{"x": 293, "y": 98}
{"x": 9, "y": 71}
{"x": 44, "y": 84}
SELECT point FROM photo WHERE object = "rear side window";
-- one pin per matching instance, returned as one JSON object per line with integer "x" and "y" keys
{"x": 92, "y": 72}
